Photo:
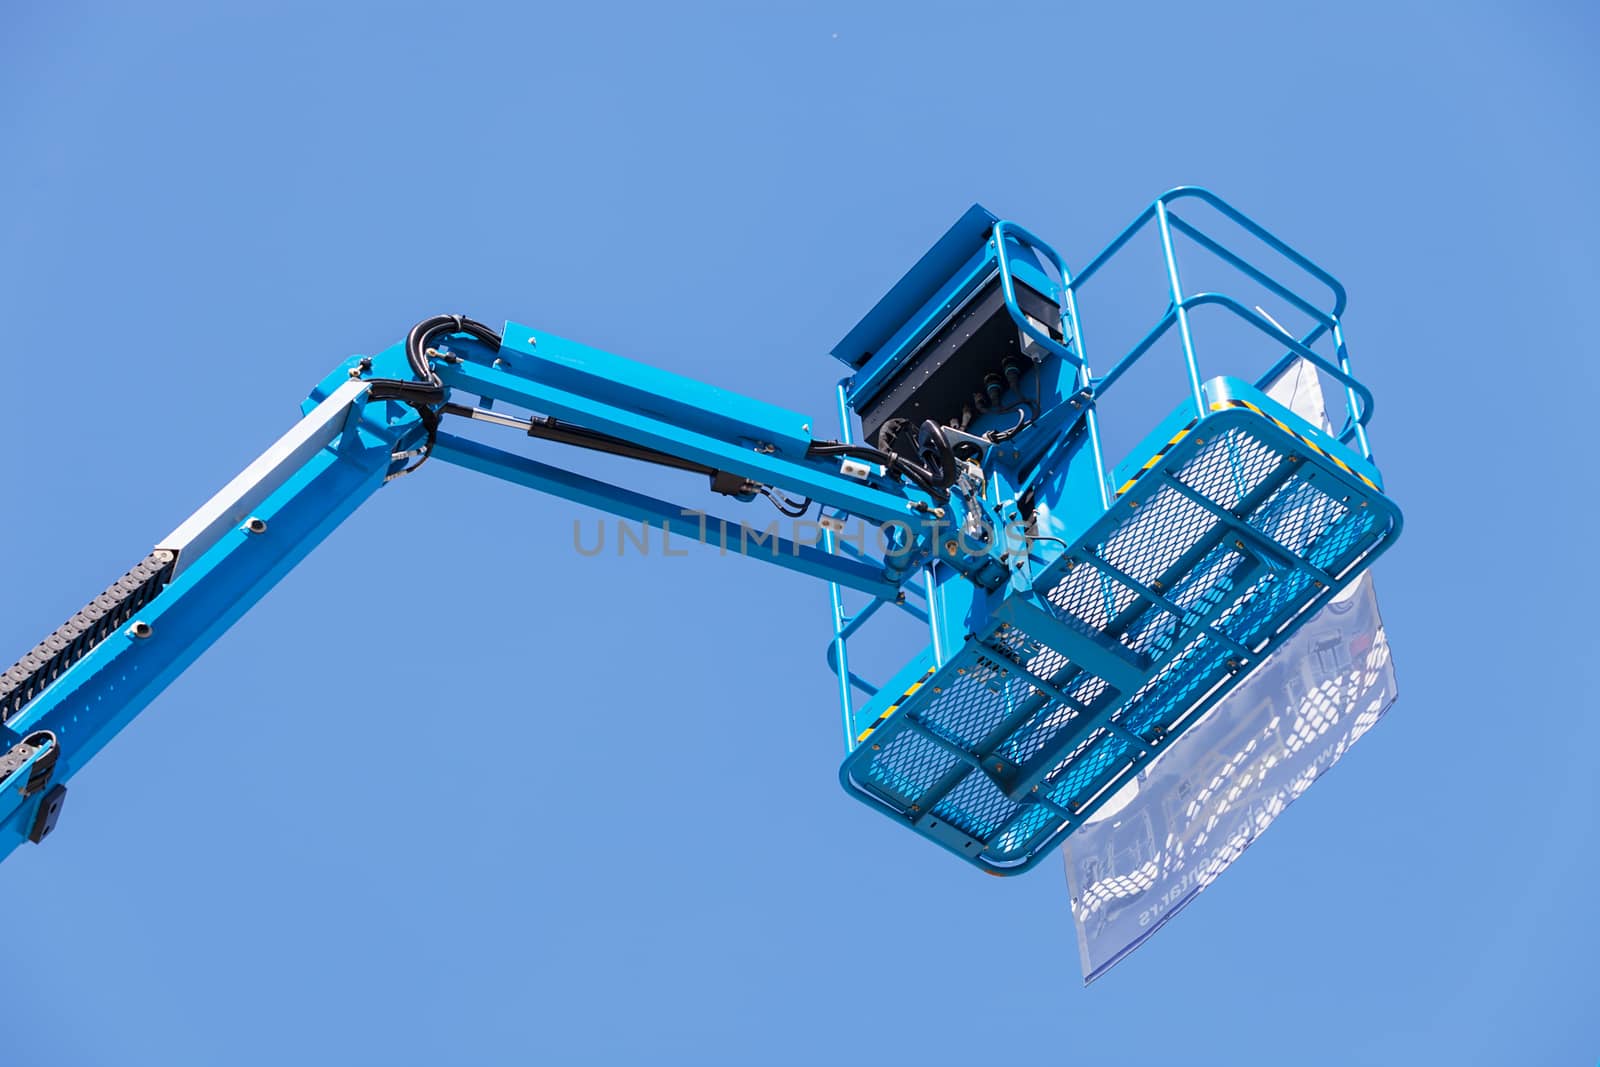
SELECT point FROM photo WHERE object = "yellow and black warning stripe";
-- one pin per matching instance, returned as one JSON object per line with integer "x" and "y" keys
{"x": 892, "y": 708}
{"x": 1318, "y": 449}
{"x": 1153, "y": 460}
{"x": 1220, "y": 405}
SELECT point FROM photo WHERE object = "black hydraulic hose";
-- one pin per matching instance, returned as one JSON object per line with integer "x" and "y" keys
{"x": 427, "y": 390}
{"x": 936, "y": 483}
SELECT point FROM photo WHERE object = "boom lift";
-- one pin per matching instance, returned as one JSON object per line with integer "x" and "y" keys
{"x": 1079, "y": 617}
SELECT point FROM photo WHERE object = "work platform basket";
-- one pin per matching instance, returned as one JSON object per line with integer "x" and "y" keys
{"x": 1139, "y": 607}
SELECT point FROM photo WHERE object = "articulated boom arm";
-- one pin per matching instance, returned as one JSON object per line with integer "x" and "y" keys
{"x": 369, "y": 423}
{"x": 1079, "y": 617}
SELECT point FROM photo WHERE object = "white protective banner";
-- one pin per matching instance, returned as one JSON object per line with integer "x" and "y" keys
{"x": 1171, "y": 831}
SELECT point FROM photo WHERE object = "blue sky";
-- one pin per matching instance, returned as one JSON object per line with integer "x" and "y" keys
{"x": 601, "y": 824}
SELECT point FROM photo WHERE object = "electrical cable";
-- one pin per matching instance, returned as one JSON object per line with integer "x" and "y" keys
{"x": 1023, "y": 422}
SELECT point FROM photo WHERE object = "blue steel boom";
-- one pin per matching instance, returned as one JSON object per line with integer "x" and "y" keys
{"x": 1079, "y": 618}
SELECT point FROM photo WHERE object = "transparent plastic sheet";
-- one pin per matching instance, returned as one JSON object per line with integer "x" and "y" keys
{"x": 1171, "y": 831}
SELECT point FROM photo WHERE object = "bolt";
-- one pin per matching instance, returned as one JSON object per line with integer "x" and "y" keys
{"x": 876, "y": 747}
{"x": 805, "y": 427}
{"x": 256, "y": 525}
{"x": 140, "y": 629}
{"x": 938, "y": 689}
{"x": 533, "y": 340}
{"x": 950, "y": 547}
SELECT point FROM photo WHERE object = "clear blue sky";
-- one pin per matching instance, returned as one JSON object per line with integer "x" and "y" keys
{"x": 557, "y": 840}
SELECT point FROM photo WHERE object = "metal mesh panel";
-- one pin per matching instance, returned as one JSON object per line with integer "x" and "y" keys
{"x": 1021, "y": 830}
{"x": 977, "y": 806}
{"x": 1212, "y": 578}
{"x": 1089, "y": 598}
{"x": 1296, "y": 513}
{"x": 1151, "y": 539}
{"x": 979, "y": 699}
{"x": 1164, "y": 699}
{"x": 1248, "y": 620}
{"x": 1202, "y": 566}
{"x": 1037, "y": 657}
{"x": 1091, "y": 601}
{"x": 1230, "y": 468}
{"x": 1152, "y": 632}
{"x": 1029, "y": 740}
{"x": 1037, "y": 732}
{"x": 909, "y": 765}
{"x": 1080, "y": 775}
{"x": 1336, "y": 543}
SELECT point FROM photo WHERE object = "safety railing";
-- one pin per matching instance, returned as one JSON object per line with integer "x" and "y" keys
{"x": 1325, "y": 315}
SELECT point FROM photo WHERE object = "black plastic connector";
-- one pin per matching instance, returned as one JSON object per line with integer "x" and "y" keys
{"x": 49, "y": 812}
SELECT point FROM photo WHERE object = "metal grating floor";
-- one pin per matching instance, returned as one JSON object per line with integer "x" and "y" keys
{"x": 1196, "y": 574}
